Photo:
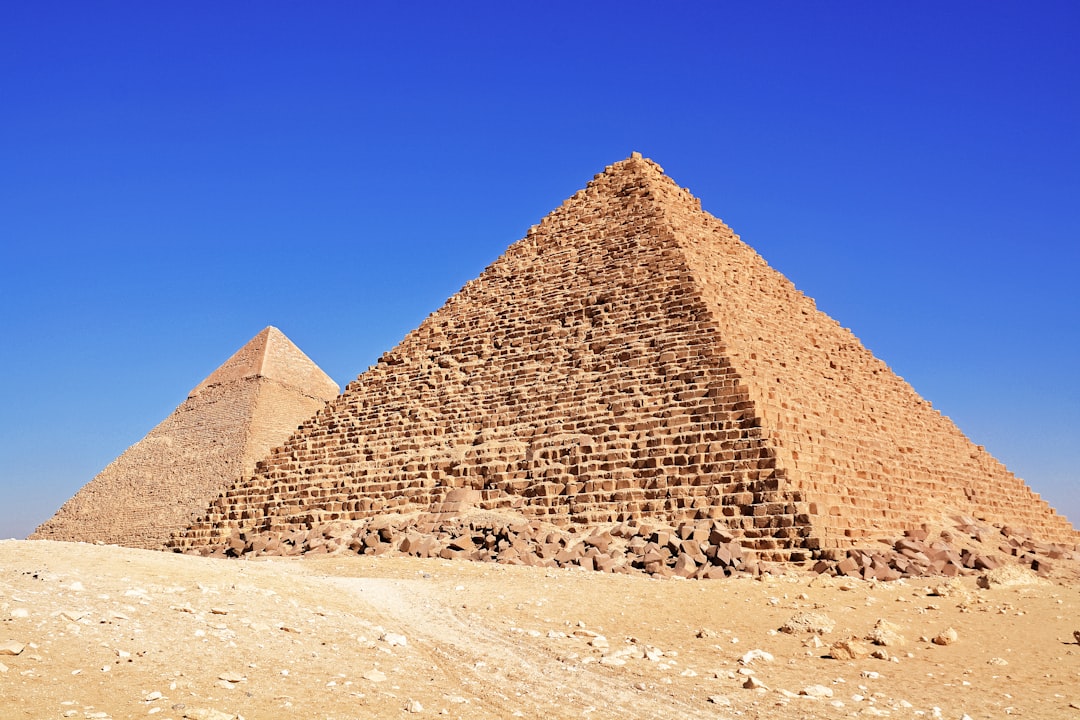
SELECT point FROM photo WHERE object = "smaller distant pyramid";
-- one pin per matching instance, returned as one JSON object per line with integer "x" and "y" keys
{"x": 230, "y": 421}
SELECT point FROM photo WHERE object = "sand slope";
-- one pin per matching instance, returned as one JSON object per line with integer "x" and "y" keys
{"x": 122, "y": 633}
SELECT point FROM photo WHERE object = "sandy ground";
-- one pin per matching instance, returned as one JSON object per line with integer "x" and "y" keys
{"x": 109, "y": 632}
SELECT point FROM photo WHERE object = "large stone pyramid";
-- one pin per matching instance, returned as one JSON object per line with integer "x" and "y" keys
{"x": 229, "y": 421}
{"x": 631, "y": 358}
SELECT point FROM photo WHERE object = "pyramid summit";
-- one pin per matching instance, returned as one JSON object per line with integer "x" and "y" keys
{"x": 632, "y": 361}
{"x": 251, "y": 403}
{"x": 272, "y": 356}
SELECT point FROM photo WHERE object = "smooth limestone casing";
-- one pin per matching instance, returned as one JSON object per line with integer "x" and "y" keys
{"x": 632, "y": 358}
{"x": 229, "y": 421}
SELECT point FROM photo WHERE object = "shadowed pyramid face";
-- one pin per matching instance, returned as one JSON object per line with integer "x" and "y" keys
{"x": 229, "y": 421}
{"x": 632, "y": 358}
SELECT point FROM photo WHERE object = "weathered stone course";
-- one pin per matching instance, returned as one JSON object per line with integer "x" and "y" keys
{"x": 632, "y": 361}
{"x": 230, "y": 420}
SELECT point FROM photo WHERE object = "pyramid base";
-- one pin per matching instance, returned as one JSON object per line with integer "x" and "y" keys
{"x": 460, "y": 528}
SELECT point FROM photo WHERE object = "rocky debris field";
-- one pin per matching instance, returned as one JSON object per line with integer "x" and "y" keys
{"x": 703, "y": 549}
{"x": 92, "y": 631}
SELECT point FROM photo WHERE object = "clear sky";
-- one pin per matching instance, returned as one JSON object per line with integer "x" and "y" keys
{"x": 176, "y": 176}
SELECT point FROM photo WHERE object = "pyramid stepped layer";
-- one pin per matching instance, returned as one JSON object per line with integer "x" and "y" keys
{"x": 632, "y": 358}
{"x": 229, "y": 421}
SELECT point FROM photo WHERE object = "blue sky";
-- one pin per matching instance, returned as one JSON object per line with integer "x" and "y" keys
{"x": 176, "y": 176}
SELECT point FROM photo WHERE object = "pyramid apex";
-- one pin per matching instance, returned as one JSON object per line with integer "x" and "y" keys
{"x": 634, "y": 169}
{"x": 267, "y": 332}
{"x": 271, "y": 355}
{"x": 636, "y": 161}
{"x": 633, "y": 177}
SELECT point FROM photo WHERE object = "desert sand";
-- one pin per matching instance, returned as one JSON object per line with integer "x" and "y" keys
{"x": 95, "y": 631}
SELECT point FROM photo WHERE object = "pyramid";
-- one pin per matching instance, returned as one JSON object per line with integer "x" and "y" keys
{"x": 629, "y": 360}
{"x": 228, "y": 422}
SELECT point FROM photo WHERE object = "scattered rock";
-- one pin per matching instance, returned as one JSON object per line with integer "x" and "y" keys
{"x": 231, "y": 677}
{"x": 374, "y": 675}
{"x": 811, "y": 622}
{"x": 949, "y": 588}
{"x": 753, "y": 655}
{"x": 1008, "y": 576}
{"x": 721, "y": 700}
{"x": 393, "y": 639}
{"x": 706, "y": 633}
{"x": 850, "y": 649}
{"x": 11, "y": 647}
{"x": 824, "y": 581}
{"x": 886, "y": 634}
{"x": 414, "y": 706}
{"x": 752, "y": 683}
{"x": 817, "y": 691}
{"x": 946, "y": 637}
